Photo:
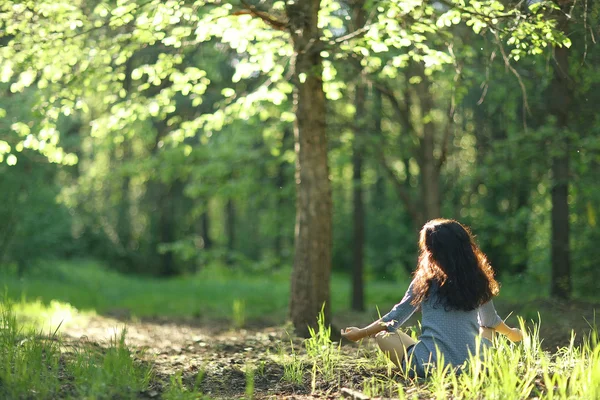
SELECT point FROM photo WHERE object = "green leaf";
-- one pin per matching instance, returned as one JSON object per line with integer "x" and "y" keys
{"x": 4, "y": 147}
{"x": 11, "y": 160}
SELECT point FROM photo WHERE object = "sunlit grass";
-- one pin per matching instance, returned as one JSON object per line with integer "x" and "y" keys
{"x": 506, "y": 371}
{"x": 212, "y": 293}
{"x": 36, "y": 315}
{"x": 34, "y": 364}
{"x": 217, "y": 293}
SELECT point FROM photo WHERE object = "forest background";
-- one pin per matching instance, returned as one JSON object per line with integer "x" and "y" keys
{"x": 184, "y": 141}
{"x": 185, "y": 184}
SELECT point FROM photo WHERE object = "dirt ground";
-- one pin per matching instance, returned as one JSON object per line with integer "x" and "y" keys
{"x": 220, "y": 354}
{"x": 217, "y": 352}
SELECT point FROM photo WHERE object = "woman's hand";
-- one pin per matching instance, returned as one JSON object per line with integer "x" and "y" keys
{"x": 353, "y": 333}
{"x": 515, "y": 335}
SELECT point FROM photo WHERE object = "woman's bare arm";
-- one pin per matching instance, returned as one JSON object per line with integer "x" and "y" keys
{"x": 513, "y": 334}
{"x": 356, "y": 334}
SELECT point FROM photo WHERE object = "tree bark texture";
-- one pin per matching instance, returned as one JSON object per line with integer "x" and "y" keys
{"x": 560, "y": 99}
{"x": 358, "y": 202}
{"x": 313, "y": 236}
{"x": 358, "y": 209}
{"x": 280, "y": 204}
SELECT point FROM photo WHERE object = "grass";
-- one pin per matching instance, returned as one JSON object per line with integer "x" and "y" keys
{"x": 28, "y": 366}
{"x": 177, "y": 390}
{"x": 213, "y": 293}
{"x": 322, "y": 352}
{"x": 505, "y": 371}
{"x": 293, "y": 366}
{"x": 41, "y": 366}
{"x": 36, "y": 365}
{"x": 88, "y": 285}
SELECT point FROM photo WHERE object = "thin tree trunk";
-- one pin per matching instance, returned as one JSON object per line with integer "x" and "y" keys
{"x": 358, "y": 202}
{"x": 124, "y": 211}
{"x": 124, "y": 215}
{"x": 358, "y": 301}
{"x": 166, "y": 229}
{"x": 379, "y": 198}
{"x": 230, "y": 229}
{"x": 280, "y": 182}
{"x": 205, "y": 229}
{"x": 430, "y": 176}
{"x": 560, "y": 100}
{"x": 313, "y": 238}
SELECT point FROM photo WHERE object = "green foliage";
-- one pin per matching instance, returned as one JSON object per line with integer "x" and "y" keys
{"x": 171, "y": 125}
{"x": 34, "y": 225}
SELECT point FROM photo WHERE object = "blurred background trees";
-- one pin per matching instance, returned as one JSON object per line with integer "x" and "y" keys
{"x": 159, "y": 136}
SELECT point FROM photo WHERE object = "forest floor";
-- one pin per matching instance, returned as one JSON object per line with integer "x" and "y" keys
{"x": 214, "y": 359}
{"x": 186, "y": 339}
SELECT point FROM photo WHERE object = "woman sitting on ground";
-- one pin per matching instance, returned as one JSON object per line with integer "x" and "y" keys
{"x": 453, "y": 286}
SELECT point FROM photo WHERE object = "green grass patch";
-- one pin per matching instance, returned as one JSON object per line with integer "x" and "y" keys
{"x": 29, "y": 366}
{"x": 107, "y": 372}
{"x": 68, "y": 289}
{"x": 36, "y": 365}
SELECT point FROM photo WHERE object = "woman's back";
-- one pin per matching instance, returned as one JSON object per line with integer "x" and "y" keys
{"x": 453, "y": 332}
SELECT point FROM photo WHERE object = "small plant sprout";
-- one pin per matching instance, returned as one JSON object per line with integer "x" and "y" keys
{"x": 250, "y": 371}
{"x": 320, "y": 349}
{"x": 239, "y": 314}
{"x": 293, "y": 367}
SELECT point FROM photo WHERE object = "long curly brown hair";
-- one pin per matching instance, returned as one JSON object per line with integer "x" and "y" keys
{"x": 450, "y": 259}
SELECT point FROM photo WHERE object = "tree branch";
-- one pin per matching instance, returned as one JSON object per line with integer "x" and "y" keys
{"x": 266, "y": 17}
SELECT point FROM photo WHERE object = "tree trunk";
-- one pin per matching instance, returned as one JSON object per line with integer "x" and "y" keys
{"x": 205, "y": 229}
{"x": 166, "y": 229}
{"x": 313, "y": 238}
{"x": 124, "y": 208}
{"x": 430, "y": 174}
{"x": 280, "y": 182}
{"x": 230, "y": 230}
{"x": 358, "y": 301}
{"x": 560, "y": 98}
{"x": 358, "y": 202}
{"x": 378, "y": 200}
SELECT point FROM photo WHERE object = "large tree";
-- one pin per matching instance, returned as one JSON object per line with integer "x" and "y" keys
{"x": 312, "y": 260}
